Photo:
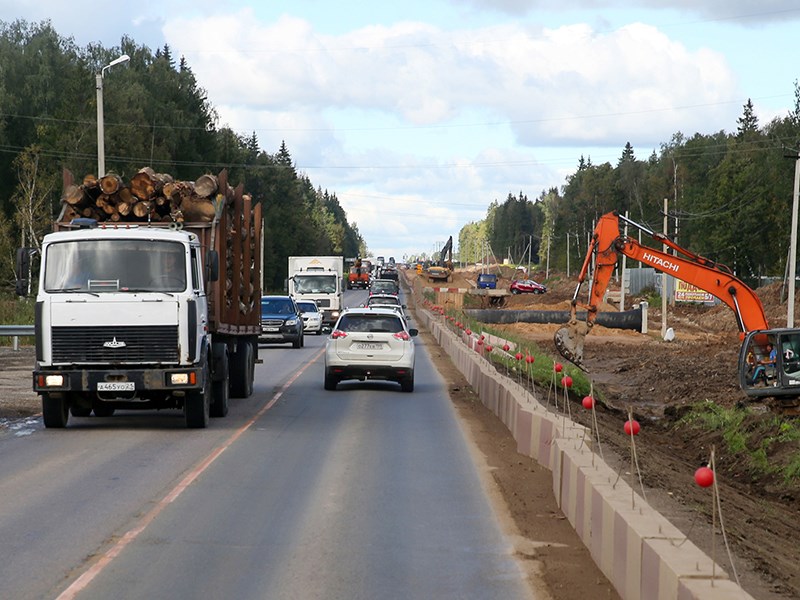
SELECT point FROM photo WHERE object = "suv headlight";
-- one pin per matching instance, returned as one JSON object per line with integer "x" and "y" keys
{"x": 291, "y": 321}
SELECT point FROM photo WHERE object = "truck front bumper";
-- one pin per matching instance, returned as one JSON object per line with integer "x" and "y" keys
{"x": 124, "y": 381}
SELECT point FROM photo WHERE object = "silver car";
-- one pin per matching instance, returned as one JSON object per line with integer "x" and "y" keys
{"x": 370, "y": 343}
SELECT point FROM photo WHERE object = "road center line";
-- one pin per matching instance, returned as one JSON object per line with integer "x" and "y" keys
{"x": 82, "y": 582}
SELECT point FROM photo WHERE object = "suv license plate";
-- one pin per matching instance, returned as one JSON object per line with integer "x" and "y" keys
{"x": 368, "y": 346}
{"x": 115, "y": 386}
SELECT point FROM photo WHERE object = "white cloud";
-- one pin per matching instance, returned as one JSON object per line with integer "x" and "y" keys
{"x": 742, "y": 12}
{"x": 565, "y": 85}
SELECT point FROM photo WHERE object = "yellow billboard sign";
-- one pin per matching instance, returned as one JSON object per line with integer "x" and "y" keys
{"x": 685, "y": 292}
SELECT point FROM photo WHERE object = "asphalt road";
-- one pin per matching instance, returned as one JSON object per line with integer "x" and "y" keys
{"x": 365, "y": 492}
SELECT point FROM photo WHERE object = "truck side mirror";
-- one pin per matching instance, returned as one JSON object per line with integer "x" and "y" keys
{"x": 23, "y": 266}
{"x": 212, "y": 265}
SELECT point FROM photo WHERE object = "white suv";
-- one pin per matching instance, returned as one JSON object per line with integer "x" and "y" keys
{"x": 370, "y": 343}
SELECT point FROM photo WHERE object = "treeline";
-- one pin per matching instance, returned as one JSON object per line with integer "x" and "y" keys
{"x": 156, "y": 115}
{"x": 729, "y": 198}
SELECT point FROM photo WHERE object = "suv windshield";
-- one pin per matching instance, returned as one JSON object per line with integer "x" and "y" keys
{"x": 383, "y": 300}
{"x": 384, "y": 286}
{"x": 276, "y": 306}
{"x": 370, "y": 323}
{"x": 115, "y": 266}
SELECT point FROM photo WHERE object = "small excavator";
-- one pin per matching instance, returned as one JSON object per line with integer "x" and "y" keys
{"x": 779, "y": 375}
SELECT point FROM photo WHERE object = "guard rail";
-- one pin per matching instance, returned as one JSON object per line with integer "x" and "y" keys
{"x": 15, "y": 332}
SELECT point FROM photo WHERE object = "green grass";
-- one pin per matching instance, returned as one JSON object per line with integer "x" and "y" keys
{"x": 14, "y": 311}
{"x": 754, "y": 438}
{"x": 541, "y": 370}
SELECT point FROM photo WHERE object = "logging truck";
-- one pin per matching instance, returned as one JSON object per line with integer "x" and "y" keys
{"x": 143, "y": 311}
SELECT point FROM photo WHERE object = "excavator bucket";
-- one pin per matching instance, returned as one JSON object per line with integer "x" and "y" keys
{"x": 569, "y": 341}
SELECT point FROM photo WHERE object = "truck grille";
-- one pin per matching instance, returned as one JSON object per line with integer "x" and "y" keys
{"x": 115, "y": 344}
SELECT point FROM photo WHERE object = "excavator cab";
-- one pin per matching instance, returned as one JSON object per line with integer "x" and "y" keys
{"x": 779, "y": 377}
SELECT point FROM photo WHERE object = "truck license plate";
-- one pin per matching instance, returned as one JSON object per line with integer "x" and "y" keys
{"x": 115, "y": 386}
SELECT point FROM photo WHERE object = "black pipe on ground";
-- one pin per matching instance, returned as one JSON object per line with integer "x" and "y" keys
{"x": 629, "y": 319}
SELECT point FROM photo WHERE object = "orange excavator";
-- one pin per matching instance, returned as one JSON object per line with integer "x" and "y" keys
{"x": 769, "y": 359}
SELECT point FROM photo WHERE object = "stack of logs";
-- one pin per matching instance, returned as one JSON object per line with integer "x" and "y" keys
{"x": 148, "y": 196}
{"x": 156, "y": 197}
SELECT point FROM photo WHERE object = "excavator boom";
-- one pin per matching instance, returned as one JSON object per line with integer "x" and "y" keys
{"x": 608, "y": 243}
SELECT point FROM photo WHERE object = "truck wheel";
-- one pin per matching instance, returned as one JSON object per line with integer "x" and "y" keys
{"x": 197, "y": 403}
{"x": 242, "y": 367}
{"x": 55, "y": 410}
{"x": 220, "y": 385}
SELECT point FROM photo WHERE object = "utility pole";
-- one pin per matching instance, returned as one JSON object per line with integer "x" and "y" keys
{"x": 664, "y": 277}
{"x": 547, "y": 269}
{"x": 624, "y": 264}
{"x": 568, "y": 254}
{"x": 793, "y": 243}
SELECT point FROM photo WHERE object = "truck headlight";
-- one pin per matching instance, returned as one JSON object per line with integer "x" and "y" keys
{"x": 179, "y": 378}
{"x": 54, "y": 381}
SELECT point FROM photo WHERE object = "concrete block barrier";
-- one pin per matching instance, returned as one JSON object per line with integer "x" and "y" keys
{"x": 643, "y": 555}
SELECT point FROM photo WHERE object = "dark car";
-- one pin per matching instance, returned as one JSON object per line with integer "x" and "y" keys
{"x": 384, "y": 286}
{"x": 389, "y": 273}
{"x": 281, "y": 321}
{"x": 526, "y": 286}
{"x": 487, "y": 281}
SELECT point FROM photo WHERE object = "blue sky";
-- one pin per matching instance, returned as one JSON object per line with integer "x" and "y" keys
{"x": 419, "y": 114}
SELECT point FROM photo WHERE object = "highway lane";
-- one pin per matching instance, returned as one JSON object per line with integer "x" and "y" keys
{"x": 360, "y": 493}
{"x": 65, "y": 494}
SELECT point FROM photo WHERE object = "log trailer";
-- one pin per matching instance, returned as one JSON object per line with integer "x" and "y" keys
{"x": 148, "y": 315}
{"x": 781, "y": 380}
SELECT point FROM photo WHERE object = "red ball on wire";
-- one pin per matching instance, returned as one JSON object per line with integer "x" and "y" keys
{"x": 566, "y": 381}
{"x": 558, "y": 367}
{"x": 632, "y": 427}
{"x": 588, "y": 402}
{"x": 704, "y": 477}
{"x": 506, "y": 347}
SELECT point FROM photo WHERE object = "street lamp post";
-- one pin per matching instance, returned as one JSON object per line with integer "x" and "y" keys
{"x": 101, "y": 143}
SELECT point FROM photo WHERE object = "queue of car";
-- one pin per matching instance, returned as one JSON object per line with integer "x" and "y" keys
{"x": 372, "y": 341}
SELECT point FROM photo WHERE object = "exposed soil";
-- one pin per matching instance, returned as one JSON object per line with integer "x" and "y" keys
{"x": 658, "y": 381}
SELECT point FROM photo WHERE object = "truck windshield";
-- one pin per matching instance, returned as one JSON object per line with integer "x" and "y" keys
{"x": 98, "y": 266}
{"x": 315, "y": 284}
